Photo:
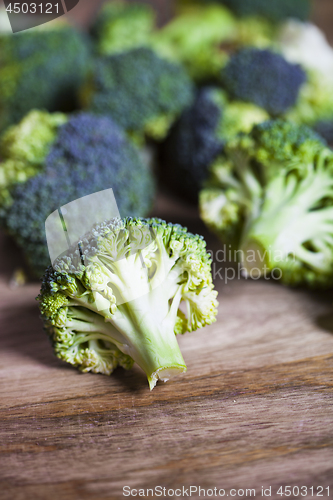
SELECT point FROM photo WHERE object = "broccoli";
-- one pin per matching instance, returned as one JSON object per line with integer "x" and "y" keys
{"x": 274, "y": 10}
{"x": 199, "y": 137}
{"x": 120, "y": 304}
{"x": 36, "y": 71}
{"x": 195, "y": 38}
{"x": 270, "y": 197}
{"x": 140, "y": 91}
{"x": 63, "y": 162}
{"x": 263, "y": 78}
{"x": 120, "y": 26}
{"x": 305, "y": 44}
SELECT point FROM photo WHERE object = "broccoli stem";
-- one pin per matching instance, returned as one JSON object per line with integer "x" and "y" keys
{"x": 137, "y": 330}
{"x": 290, "y": 225}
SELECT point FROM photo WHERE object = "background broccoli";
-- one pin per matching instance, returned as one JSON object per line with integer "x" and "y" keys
{"x": 139, "y": 90}
{"x": 263, "y": 78}
{"x": 274, "y": 10}
{"x": 270, "y": 195}
{"x": 121, "y": 26}
{"x": 88, "y": 154}
{"x": 199, "y": 137}
{"x": 36, "y": 71}
{"x": 122, "y": 304}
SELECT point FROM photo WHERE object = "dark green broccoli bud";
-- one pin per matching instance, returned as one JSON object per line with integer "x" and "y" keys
{"x": 123, "y": 304}
{"x": 199, "y": 136}
{"x": 325, "y": 129}
{"x": 270, "y": 196}
{"x": 274, "y": 10}
{"x": 89, "y": 154}
{"x": 139, "y": 90}
{"x": 121, "y": 26}
{"x": 263, "y": 78}
{"x": 41, "y": 68}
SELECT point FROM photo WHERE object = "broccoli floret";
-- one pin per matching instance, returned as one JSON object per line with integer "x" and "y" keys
{"x": 36, "y": 71}
{"x": 122, "y": 305}
{"x": 139, "y": 90}
{"x": 23, "y": 149}
{"x": 89, "y": 154}
{"x": 120, "y": 26}
{"x": 263, "y": 78}
{"x": 274, "y": 10}
{"x": 199, "y": 137}
{"x": 270, "y": 196}
{"x": 195, "y": 38}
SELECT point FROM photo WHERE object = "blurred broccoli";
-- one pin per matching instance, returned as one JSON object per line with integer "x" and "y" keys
{"x": 263, "y": 78}
{"x": 307, "y": 45}
{"x": 195, "y": 38}
{"x": 66, "y": 161}
{"x": 199, "y": 137}
{"x": 41, "y": 68}
{"x": 270, "y": 196}
{"x": 121, "y": 26}
{"x": 274, "y": 10}
{"x": 140, "y": 91}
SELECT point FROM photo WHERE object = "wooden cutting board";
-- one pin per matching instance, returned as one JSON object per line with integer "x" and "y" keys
{"x": 255, "y": 408}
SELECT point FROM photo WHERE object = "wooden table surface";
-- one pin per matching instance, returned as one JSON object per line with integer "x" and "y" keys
{"x": 255, "y": 408}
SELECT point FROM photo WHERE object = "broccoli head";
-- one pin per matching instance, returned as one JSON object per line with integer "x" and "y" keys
{"x": 139, "y": 90}
{"x": 117, "y": 300}
{"x": 270, "y": 196}
{"x": 274, "y": 10}
{"x": 120, "y": 26}
{"x": 199, "y": 137}
{"x": 263, "y": 78}
{"x": 87, "y": 154}
{"x": 41, "y": 68}
{"x": 195, "y": 38}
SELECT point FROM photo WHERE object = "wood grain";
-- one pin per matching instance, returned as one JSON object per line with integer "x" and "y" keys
{"x": 254, "y": 408}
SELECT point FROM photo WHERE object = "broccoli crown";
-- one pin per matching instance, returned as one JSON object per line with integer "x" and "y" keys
{"x": 274, "y": 10}
{"x": 120, "y": 26}
{"x": 138, "y": 89}
{"x": 117, "y": 300}
{"x": 40, "y": 68}
{"x": 263, "y": 78}
{"x": 270, "y": 195}
{"x": 23, "y": 149}
{"x": 89, "y": 154}
{"x": 195, "y": 38}
{"x": 199, "y": 136}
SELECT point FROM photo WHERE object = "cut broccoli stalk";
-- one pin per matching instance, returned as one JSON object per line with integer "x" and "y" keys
{"x": 291, "y": 226}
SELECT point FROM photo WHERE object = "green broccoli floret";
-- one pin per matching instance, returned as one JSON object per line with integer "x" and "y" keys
{"x": 41, "y": 68}
{"x": 23, "y": 149}
{"x": 140, "y": 91}
{"x": 121, "y": 26}
{"x": 195, "y": 38}
{"x": 270, "y": 196}
{"x": 117, "y": 301}
{"x": 315, "y": 102}
{"x": 61, "y": 162}
{"x": 199, "y": 137}
{"x": 274, "y": 10}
